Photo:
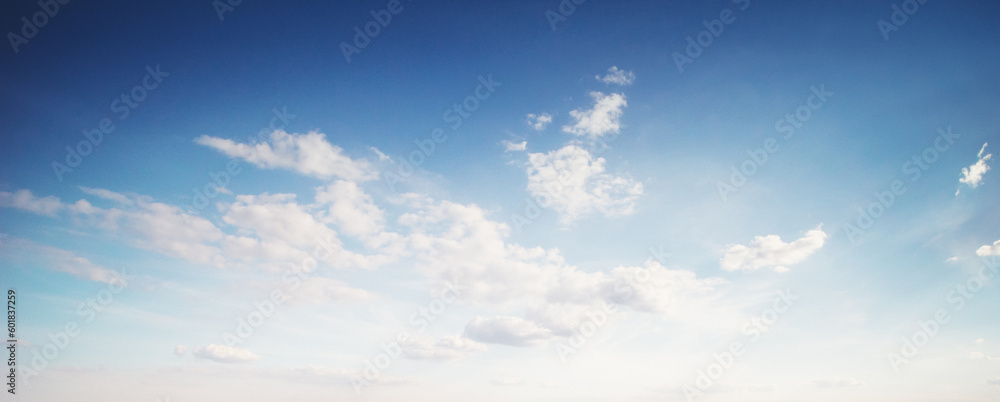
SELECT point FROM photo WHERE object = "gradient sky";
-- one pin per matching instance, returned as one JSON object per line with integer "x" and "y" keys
{"x": 589, "y": 159}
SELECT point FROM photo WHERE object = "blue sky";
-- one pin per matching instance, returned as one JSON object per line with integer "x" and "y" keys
{"x": 581, "y": 234}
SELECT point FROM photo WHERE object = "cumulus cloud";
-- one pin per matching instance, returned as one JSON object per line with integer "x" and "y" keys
{"x": 989, "y": 250}
{"x": 350, "y": 208}
{"x": 511, "y": 331}
{"x": 604, "y": 118}
{"x": 224, "y": 354}
{"x": 514, "y": 146}
{"x": 449, "y": 348}
{"x": 973, "y": 174}
{"x": 770, "y": 251}
{"x": 836, "y": 382}
{"x": 25, "y": 201}
{"x": 309, "y": 154}
{"x": 539, "y": 121}
{"x": 575, "y": 184}
{"x": 286, "y": 230}
{"x": 617, "y": 76}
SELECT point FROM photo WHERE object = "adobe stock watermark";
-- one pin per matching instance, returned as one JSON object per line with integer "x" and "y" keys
{"x": 752, "y": 330}
{"x": 625, "y": 289}
{"x": 787, "y": 125}
{"x": 455, "y": 115}
{"x": 885, "y": 199}
{"x": 88, "y": 311}
{"x": 225, "y": 6}
{"x": 122, "y": 106}
{"x": 390, "y": 351}
{"x": 30, "y": 27}
{"x": 565, "y": 9}
{"x": 713, "y": 29}
{"x": 960, "y": 294}
{"x": 220, "y": 179}
{"x": 363, "y": 37}
{"x": 898, "y": 17}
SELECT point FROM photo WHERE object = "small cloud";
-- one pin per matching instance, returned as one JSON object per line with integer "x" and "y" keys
{"x": 515, "y": 146}
{"x": 973, "y": 174}
{"x": 952, "y": 259}
{"x": 617, "y": 76}
{"x": 539, "y": 121}
{"x": 107, "y": 195}
{"x": 604, "y": 118}
{"x": 381, "y": 156}
{"x": 770, "y": 251}
{"x": 224, "y": 354}
{"x": 180, "y": 350}
{"x": 988, "y": 250}
{"x": 511, "y": 331}
{"x": 309, "y": 154}
{"x": 836, "y": 382}
{"x": 980, "y": 341}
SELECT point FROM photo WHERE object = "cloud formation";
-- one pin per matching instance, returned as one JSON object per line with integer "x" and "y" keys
{"x": 602, "y": 119}
{"x": 770, "y": 251}
{"x": 224, "y": 354}
{"x": 617, "y": 76}
{"x": 309, "y": 154}
{"x": 511, "y": 331}
{"x": 973, "y": 175}
{"x": 539, "y": 121}
{"x": 575, "y": 184}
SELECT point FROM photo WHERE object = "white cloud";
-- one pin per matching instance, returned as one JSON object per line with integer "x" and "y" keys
{"x": 539, "y": 121}
{"x": 836, "y": 382}
{"x": 180, "y": 350}
{"x": 224, "y": 354}
{"x": 350, "y": 208}
{"x": 770, "y": 251}
{"x": 980, "y": 341}
{"x": 309, "y": 154}
{"x": 602, "y": 119}
{"x": 511, "y": 331}
{"x": 973, "y": 174}
{"x": 381, "y": 156}
{"x": 287, "y": 228}
{"x": 58, "y": 260}
{"x": 617, "y": 76}
{"x": 107, "y": 195}
{"x": 449, "y": 348}
{"x": 514, "y": 146}
{"x": 575, "y": 184}
{"x": 989, "y": 250}
{"x": 25, "y": 201}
